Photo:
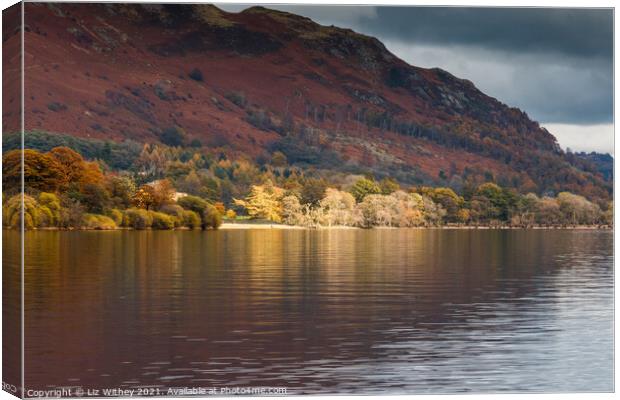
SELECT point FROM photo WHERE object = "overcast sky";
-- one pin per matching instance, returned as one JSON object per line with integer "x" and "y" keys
{"x": 555, "y": 64}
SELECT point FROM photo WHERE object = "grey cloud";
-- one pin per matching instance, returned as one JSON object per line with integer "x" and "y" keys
{"x": 571, "y": 32}
{"x": 549, "y": 89}
{"x": 563, "y": 93}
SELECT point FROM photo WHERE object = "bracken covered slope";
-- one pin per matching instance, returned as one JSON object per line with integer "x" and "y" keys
{"x": 262, "y": 80}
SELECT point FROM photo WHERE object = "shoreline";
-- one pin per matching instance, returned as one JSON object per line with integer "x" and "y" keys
{"x": 275, "y": 226}
{"x": 241, "y": 226}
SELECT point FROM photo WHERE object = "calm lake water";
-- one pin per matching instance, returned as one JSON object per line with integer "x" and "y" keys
{"x": 341, "y": 311}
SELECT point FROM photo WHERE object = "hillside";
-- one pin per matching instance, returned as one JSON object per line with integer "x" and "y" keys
{"x": 259, "y": 81}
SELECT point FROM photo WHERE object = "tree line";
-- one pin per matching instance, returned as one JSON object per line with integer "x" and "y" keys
{"x": 173, "y": 187}
{"x": 368, "y": 203}
{"x": 62, "y": 190}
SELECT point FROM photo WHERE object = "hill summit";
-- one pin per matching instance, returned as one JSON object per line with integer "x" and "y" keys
{"x": 262, "y": 81}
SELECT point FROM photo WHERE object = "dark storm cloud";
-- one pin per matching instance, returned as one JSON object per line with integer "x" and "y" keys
{"x": 571, "y": 32}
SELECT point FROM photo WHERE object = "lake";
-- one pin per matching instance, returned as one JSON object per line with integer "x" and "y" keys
{"x": 386, "y": 311}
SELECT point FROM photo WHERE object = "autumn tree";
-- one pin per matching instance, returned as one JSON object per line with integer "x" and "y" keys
{"x": 94, "y": 197}
{"x": 41, "y": 171}
{"x": 121, "y": 189}
{"x": 339, "y": 208}
{"x": 363, "y": 188}
{"x": 447, "y": 199}
{"x": 190, "y": 183}
{"x": 608, "y": 214}
{"x": 152, "y": 161}
{"x": 76, "y": 170}
{"x": 525, "y": 212}
{"x": 378, "y": 210}
{"x": 577, "y": 209}
{"x": 278, "y": 159}
{"x": 264, "y": 201}
{"x": 144, "y": 197}
{"x": 409, "y": 209}
{"x": 210, "y": 189}
{"x": 292, "y": 211}
{"x": 82, "y": 180}
{"x": 548, "y": 211}
{"x": 71, "y": 162}
{"x": 388, "y": 186}
{"x": 433, "y": 212}
{"x": 162, "y": 192}
{"x": 312, "y": 191}
{"x": 491, "y": 202}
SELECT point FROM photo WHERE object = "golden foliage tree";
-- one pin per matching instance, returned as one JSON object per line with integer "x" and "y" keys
{"x": 144, "y": 198}
{"x": 264, "y": 201}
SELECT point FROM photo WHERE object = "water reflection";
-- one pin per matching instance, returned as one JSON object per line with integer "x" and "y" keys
{"x": 11, "y": 313}
{"x": 388, "y": 311}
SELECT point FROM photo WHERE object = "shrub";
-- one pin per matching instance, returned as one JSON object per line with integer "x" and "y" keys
{"x": 137, "y": 218}
{"x": 46, "y": 218}
{"x": 231, "y": 214}
{"x": 116, "y": 216}
{"x": 192, "y": 203}
{"x": 12, "y": 212}
{"x": 161, "y": 220}
{"x": 50, "y": 206}
{"x": 211, "y": 217}
{"x": 50, "y": 200}
{"x": 195, "y": 143}
{"x": 71, "y": 214}
{"x": 260, "y": 119}
{"x": 172, "y": 136}
{"x": 175, "y": 211}
{"x": 96, "y": 221}
{"x": 237, "y": 98}
{"x": 196, "y": 75}
{"x": 161, "y": 92}
{"x": 55, "y": 106}
{"x": 191, "y": 219}
{"x": 29, "y": 221}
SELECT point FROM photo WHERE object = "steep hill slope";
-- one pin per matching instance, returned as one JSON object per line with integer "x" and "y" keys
{"x": 262, "y": 80}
